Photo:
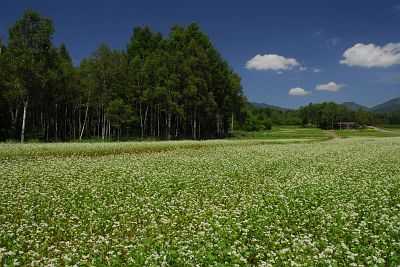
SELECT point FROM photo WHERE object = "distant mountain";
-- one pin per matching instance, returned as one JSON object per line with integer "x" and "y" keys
{"x": 390, "y": 106}
{"x": 354, "y": 106}
{"x": 263, "y": 105}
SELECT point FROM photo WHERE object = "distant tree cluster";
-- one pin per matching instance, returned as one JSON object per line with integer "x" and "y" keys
{"x": 259, "y": 118}
{"x": 327, "y": 115}
{"x": 162, "y": 88}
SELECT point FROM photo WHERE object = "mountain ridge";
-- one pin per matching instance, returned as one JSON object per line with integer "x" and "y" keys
{"x": 354, "y": 106}
{"x": 389, "y": 106}
{"x": 264, "y": 105}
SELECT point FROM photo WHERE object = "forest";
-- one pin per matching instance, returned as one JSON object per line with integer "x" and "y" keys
{"x": 326, "y": 115}
{"x": 161, "y": 88}
{"x": 177, "y": 87}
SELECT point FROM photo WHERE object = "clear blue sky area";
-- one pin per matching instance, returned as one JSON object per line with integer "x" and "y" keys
{"x": 301, "y": 44}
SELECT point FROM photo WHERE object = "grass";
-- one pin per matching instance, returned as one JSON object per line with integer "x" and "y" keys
{"x": 284, "y": 132}
{"x": 35, "y": 150}
{"x": 390, "y": 126}
{"x": 227, "y": 202}
{"x": 385, "y": 132}
{"x": 295, "y": 132}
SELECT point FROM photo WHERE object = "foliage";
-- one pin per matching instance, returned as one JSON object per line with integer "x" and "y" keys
{"x": 171, "y": 88}
{"x": 201, "y": 203}
{"x": 328, "y": 115}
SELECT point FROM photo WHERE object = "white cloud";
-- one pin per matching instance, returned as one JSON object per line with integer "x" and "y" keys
{"x": 331, "y": 86}
{"x": 298, "y": 91}
{"x": 316, "y": 70}
{"x": 301, "y": 68}
{"x": 319, "y": 31}
{"x": 333, "y": 41}
{"x": 371, "y": 55}
{"x": 271, "y": 62}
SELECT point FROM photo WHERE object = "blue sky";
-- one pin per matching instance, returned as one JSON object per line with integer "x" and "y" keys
{"x": 299, "y": 44}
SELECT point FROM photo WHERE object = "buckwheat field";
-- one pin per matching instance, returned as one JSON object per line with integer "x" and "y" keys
{"x": 201, "y": 203}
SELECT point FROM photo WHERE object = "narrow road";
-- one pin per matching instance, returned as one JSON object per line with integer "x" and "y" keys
{"x": 378, "y": 129}
{"x": 333, "y": 135}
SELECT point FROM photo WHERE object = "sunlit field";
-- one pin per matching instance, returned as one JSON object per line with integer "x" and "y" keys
{"x": 232, "y": 202}
{"x": 385, "y": 132}
{"x": 287, "y": 132}
{"x": 295, "y": 132}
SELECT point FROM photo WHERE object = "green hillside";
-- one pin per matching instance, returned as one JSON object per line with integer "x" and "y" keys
{"x": 390, "y": 106}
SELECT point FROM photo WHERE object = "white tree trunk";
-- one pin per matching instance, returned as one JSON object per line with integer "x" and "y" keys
{"x": 169, "y": 126}
{"x": 24, "y": 121}
{"x": 84, "y": 121}
{"x": 103, "y": 129}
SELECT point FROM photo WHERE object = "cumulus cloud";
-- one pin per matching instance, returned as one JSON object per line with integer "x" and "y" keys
{"x": 371, "y": 55}
{"x": 298, "y": 91}
{"x": 331, "y": 86}
{"x": 271, "y": 62}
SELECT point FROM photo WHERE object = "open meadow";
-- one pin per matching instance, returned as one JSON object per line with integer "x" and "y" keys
{"x": 245, "y": 202}
{"x": 249, "y": 133}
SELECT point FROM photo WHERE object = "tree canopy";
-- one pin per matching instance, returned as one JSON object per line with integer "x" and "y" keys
{"x": 159, "y": 87}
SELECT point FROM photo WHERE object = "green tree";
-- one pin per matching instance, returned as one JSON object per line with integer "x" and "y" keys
{"x": 66, "y": 88}
{"x": 4, "y": 118}
{"x": 174, "y": 87}
{"x": 141, "y": 83}
{"x": 119, "y": 114}
{"x": 102, "y": 75}
{"x": 361, "y": 117}
{"x": 30, "y": 52}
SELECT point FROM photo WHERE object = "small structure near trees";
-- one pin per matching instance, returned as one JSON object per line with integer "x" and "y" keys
{"x": 347, "y": 125}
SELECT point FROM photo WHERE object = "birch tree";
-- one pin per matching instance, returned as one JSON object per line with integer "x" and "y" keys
{"x": 30, "y": 49}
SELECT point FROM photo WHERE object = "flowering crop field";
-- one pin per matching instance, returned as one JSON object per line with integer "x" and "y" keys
{"x": 201, "y": 203}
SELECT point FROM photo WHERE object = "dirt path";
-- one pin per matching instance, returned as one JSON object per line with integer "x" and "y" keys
{"x": 333, "y": 135}
{"x": 377, "y": 129}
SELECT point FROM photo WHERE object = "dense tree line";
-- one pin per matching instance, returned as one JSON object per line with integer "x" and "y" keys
{"x": 159, "y": 87}
{"x": 259, "y": 118}
{"x": 327, "y": 115}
